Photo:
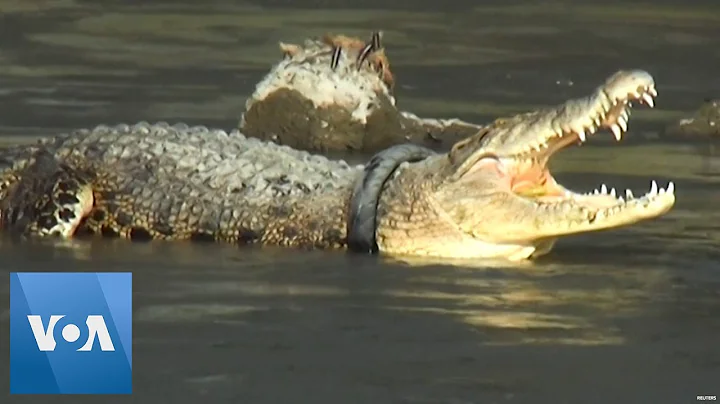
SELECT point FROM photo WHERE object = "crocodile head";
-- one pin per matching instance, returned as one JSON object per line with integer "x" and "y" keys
{"x": 496, "y": 193}
{"x": 704, "y": 123}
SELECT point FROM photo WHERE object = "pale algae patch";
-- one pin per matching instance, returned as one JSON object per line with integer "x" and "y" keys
{"x": 450, "y": 108}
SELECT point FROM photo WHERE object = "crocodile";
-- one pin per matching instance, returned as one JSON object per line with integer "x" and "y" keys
{"x": 336, "y": 93}
{"x": 490, "y": 196}
{"x": 705, "y": 122}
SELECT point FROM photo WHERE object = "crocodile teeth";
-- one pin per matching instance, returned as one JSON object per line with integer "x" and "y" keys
{"x": 625, "y": 114}
{"x": 622, "y": 122}
{"x": 620, "y": 202}
{"x": 669, "y": 190}
{"x": 655, "y": 191}
{"x": 648, "y": 99}
{"x": 601, "y": 116}
{"x": 616, "y": 131}
{"x": 651, "y": 90}
{"x": 581, "y": 135}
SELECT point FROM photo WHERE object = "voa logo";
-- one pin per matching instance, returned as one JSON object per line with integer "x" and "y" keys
{"x": 70, "y": 333}
{"x": 45, "y": 339}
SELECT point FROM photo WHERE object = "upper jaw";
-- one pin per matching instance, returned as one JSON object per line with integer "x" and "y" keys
{"x": 537, "y": 135}
{"x": 534, "y": 137}
{"x": 575, "y": 120}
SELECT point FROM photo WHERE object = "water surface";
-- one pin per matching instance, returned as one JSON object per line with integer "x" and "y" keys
{"x": 620, "y": 316}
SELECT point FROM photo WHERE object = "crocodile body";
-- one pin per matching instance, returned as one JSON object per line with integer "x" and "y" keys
{"x": 491, "y": 195}
{"x": 177, "y": 182}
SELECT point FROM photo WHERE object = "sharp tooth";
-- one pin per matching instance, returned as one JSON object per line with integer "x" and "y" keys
{"x": 648, "y": 99}
{"x": 621, "y": 199}
{"x": 651, "y": 90}
{"x": 603, "y": 189}
{"x": 616, "y": 131}
{"x": 628, "y": 194}
{"x": 612, "y": 192}
{"x": 671, "y": 188}
{"x": 625, "y": 114}
{"x": 653, "y": 188}
{"x": 596, "y": 192}
{"x": 581, "y": 135}
{"x": 622, "y": 122}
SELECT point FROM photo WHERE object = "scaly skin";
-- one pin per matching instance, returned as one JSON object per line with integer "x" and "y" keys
{"x": 490, "y": 196}
{"x": 174, "y": 182}
{"x": 310, "y": 103}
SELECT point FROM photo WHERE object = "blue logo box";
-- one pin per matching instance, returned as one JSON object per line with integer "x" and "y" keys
{"x": 70, "y": 333}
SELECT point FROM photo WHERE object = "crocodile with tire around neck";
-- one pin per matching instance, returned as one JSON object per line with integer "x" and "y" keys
{"x": 491, "y": 196}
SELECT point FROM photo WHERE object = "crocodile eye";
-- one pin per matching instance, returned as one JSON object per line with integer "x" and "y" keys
{"x": 488, "y": 163}
{"x": 491, "y": 159}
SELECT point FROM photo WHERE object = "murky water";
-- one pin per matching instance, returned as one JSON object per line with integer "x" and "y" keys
{"x": 621, "y": 316}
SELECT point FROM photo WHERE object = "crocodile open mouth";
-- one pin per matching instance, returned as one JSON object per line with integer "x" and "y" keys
{"x": 574, "y": 123}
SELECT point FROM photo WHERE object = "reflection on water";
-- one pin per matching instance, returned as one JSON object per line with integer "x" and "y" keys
{"x": 220, "y": 323}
